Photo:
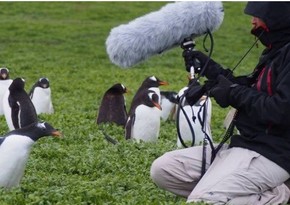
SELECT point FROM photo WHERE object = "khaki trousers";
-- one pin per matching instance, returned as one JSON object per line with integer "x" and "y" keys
{"x": 237, "y": 176}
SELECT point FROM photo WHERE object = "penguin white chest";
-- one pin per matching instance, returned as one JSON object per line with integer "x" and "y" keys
{"x": 147, "y": 124}
{"x": 4, "y": 85}
{"x": 14, "y": 152}
{"x": 7, "y": 110}
{"x": 41, "y": 100}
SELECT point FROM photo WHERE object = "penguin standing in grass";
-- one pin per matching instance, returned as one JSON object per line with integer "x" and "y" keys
{"x": 113, "y": 106}
{"x": 40, "y": 95}
{"x": 143, "y": 122}
{"x": 15, "y": 148}
{"x": 18, "y": 108}
{"x": 5, "y": 82}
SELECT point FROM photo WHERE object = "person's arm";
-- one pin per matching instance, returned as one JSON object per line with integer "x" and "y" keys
{"x": 273, "y": 109}
{"x": 212, "y": 70}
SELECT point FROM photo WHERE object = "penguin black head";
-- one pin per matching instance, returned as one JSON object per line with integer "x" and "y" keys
{"x": 117, "y": 89}
{"x": 37, "y": 130}
{"x": 152, "y": 100}
{"x": 17, "y": 84}
{"x": 153, "y": 81}
{"x": 4, "y": 73}
{"x": 43, "y": 83}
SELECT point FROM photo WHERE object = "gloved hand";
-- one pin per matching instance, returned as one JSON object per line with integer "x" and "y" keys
{"x": 194, "y": 92}
{"x": 221, "y": 91}
{"x": 202, "y": 58}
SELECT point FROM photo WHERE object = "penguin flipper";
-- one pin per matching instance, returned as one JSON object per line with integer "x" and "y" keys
{"x": 129, "y": 125}
{"x": 14, "y": 112}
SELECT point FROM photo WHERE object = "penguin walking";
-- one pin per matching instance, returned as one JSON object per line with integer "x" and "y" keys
{"x": 40, "y": 95}
{"x": 5, "y": 82}
{"x": 202, "y": 108}
{"x": 15, "y": 147}
{"x": 19, "y": 110}
{"x": 151, "y": 83}
{"x": 113, "y": 106}
{"x": 143, "y": 122}
{"x": 168, "y": 104}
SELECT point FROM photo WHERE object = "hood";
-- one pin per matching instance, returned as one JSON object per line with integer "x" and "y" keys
{"x": 277, "y": 19}
{"x": 276, "y": 15}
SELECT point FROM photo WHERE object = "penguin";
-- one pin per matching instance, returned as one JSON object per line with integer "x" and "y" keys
{"x": 168, "y": 104}
{"x": 40, "y": 95}
{"x": 153, "y": 83}
{"x": 15, "y": 148}
{"x": 113, "y": 106}
{"x": 5, "y": 82}
{"x": 143, "y": 122}
{"x": 193, "y": 112}
{"x": 19, "y": 110}
{"x": 4, "y": 74}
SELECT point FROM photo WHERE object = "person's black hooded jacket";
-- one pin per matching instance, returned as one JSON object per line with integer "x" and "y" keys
{"x": 263, "y": 117}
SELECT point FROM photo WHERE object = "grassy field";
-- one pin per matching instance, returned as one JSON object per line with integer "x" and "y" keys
{"x": 65, "y": 41}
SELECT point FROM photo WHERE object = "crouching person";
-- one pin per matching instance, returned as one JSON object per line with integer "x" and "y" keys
{"x": 254, "y": 166}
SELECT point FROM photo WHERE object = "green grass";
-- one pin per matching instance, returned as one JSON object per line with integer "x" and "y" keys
{"x": 65, "y": 41}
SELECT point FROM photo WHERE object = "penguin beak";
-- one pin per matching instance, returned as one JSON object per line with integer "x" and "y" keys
{"x": 163, "y": 83}
{"x": 157, "y": 105}
{"x": 56, "y": 133}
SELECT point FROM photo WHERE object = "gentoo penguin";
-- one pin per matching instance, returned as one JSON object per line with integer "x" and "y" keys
{"x": 5, "y": 82}
{"x": 151, "y": 83}
{"x": 192, "y": 113}
{"x": 15, "y": 148}
{"x": 18, "y": 108}
{"x": 168, "y": 104}
{"x": 40, "y": 95}
{"x": 4, "y": 74}
{"x": 143, "y": 122}
{"x": 113, "y": 107}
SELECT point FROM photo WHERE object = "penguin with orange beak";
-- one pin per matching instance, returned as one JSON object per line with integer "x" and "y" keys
{"x": 15, "y": 148}
{"x": 143, "y": 122}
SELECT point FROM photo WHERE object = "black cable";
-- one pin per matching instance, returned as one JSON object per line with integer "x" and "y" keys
{"x": 239, "y": 62}
{"x": 180, "y": 107}
{"x": 210, "y": 52}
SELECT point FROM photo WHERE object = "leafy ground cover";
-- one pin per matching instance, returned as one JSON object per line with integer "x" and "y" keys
{"x": 65, "y": 41}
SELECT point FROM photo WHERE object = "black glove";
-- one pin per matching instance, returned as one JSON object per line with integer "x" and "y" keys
{"x": 212, "y": 70}
{"x": 202, "y": 59}
{"x": 221, "y": 91}
{"x": 195, "y": 91}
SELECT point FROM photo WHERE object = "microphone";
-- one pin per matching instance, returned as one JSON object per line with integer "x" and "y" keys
{"x": 158, "y": 31}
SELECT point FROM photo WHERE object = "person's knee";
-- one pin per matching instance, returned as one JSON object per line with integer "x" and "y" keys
{"x": 157, "y": 172}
